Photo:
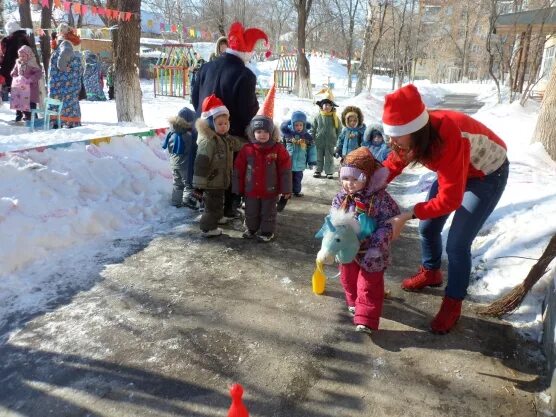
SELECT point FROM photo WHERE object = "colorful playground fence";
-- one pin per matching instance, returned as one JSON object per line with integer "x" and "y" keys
{"x": 171, "y": 81}
{"x": 286, "y": 73}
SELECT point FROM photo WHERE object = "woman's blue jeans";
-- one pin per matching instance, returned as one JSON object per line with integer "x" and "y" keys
{"x": 479, "y": 200}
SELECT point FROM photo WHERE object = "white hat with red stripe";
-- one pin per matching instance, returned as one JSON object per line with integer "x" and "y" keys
{"x": 213, "y": 106}
{"x": 404, "y": 112}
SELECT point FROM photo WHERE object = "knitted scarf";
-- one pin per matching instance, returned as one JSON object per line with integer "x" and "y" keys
{"x": 331, "y": 114}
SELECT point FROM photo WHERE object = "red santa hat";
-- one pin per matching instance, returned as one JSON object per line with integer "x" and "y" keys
{"x": 404, "y": 112}
{"x": 243, "y": 40}
{"x": 213, "y": 106}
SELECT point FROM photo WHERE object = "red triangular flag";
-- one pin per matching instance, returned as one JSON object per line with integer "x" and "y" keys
{"x": 83, "y": 9}
{"x": 58, "y": 4}
{"x": 45, "y": 3}
{"x": 127, "y": 16}
{"x": 94, "y": 10}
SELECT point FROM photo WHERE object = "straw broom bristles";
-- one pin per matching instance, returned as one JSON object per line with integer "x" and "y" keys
{"x": 513, "y": 299}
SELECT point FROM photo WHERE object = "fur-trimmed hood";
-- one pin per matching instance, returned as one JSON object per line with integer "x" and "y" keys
{"x": 350, "y": 110}
{"x": 204, "y": 130}
{"x": 179, "y": 124}
{"x": 274, "y": 138}
{"x": 219, "y": 42}
{"x": 371, "y": 130}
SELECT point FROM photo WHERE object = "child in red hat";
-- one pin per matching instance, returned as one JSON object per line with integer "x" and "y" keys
{"x": 214, "y": 162}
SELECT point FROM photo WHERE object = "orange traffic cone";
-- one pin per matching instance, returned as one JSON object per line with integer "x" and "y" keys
{"x": 267, "y": 108}
{"x": 237, "y": 409}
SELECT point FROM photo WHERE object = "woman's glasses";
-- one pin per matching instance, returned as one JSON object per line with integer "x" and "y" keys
{"x": 399, "y": 149}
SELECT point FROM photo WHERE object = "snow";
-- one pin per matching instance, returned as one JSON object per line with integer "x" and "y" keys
{"x": 60, "y": 207}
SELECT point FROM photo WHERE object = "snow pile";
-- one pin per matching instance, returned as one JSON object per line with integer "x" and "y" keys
{"x": 56, "y": 199}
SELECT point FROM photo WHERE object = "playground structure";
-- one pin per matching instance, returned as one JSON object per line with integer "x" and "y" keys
{"x": 171, "y": 71}
{"x": 285, "y": 73}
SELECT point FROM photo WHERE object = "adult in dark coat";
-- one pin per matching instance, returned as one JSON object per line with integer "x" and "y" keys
{"x": 16, "y": 38}
{"x": 229, "y": 79}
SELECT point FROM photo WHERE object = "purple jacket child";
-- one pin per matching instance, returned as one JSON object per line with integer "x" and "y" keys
{"x": 374, "y": 253}
{"x": 26, "y": 75}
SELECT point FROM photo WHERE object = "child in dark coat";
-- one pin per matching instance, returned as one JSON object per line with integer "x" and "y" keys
{"x": 182, "y": 147}
{"x": 364, "y": 190}
{"x": 301, "y": 147}
{"x": 262, "y": 172}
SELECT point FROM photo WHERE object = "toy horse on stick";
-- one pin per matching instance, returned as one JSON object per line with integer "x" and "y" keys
{"x": 341, "y": 235}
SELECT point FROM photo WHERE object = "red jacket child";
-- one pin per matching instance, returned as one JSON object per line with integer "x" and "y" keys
{"x": 262, "y": 171}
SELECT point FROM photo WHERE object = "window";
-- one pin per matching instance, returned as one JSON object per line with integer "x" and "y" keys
{"x": 548, "y": 60}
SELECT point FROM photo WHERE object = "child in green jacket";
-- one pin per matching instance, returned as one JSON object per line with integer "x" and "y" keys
{"x": 326, "y": 128}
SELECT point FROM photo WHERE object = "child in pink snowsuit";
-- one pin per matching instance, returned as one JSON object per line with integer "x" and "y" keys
{"x": 26, "y": 76}
{"x": 364, "y": 191}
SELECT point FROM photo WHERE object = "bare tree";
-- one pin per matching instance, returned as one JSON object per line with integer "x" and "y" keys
{"x": 46, "y": 19}
{"x": 126, "y": 74}
{"x": 375, "y": 14}
{"x": 400, "y": 25}
{"x": 545, "y": 131}
{"x": 279, "y": 17}
{"x": 490, "y": 45}
{"x": 303, "y": 79}
{"x": 1, "y": 14}
{"x": 346, "y": 13}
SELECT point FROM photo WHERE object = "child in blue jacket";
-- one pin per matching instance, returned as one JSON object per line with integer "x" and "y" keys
{"x": 301, "y": 147}
{"x": 181, "y": 143}
{"x": 374, "y": 140}
{"x": 352, "y": 134}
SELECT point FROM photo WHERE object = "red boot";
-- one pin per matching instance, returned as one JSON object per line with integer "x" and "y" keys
{"x": 423, "y": 278}
{"x": 447, "y": 316}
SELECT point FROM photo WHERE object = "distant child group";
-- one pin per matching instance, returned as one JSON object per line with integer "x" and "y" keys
{"x": 333, "y": 141}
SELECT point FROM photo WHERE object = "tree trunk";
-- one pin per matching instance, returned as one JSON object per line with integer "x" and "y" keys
{"x": 221, "y": 24}
{"x": 362, "y": 72}
{"x": 79, "y": 19}
{"x": 382, "y": 16}
{"x": 46, "y": 19}
{"x": 71, "y": 19}
{"x": 490, "y": 49}
{"x": 545, "y": 131}
{"x": 2, "y": 24}
{"x": 126, "y": 70}
{"x": 303, "y": 79}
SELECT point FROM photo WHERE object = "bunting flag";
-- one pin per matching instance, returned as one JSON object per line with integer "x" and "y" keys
{"x": 121, "y": 15}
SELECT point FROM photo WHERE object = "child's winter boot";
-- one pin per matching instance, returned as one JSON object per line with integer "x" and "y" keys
{"x": 447, "y": 316}
{"x": 423, "y": 278}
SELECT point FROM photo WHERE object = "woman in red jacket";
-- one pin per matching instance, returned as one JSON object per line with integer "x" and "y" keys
{"x": 472, "y": 170}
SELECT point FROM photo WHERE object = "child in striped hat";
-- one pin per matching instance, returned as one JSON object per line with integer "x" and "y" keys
{"x": 364, "y": 191}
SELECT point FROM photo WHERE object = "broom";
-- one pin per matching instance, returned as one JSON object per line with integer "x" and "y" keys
{"x": 513, "y": 299}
